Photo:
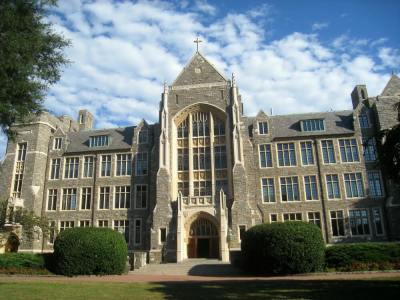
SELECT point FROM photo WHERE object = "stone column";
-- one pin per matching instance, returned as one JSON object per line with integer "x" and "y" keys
{"x": 224, "y": 250}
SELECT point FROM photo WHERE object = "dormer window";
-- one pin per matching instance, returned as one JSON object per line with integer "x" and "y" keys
{"x": 99, "y": 141}
{"x": 57, "y": 143}
{"x": 363, "y": 120}
{"x": 313, "y": 125}
{"x": 143, "y": 136}
{"x": 262, "y": 127}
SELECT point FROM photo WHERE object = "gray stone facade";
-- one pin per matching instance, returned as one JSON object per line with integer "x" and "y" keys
{"x": 178, "y": 191}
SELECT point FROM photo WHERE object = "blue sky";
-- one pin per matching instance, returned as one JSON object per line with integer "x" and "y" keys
{"x": 291, "y": 56}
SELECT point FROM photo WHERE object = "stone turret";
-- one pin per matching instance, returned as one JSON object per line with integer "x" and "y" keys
{"x": 85, "y": 120}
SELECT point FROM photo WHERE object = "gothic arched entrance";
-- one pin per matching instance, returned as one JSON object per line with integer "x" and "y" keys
{"x": 203, "y": 239}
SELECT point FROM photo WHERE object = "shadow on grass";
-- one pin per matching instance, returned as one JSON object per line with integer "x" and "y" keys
{"x": 281, "y": 289}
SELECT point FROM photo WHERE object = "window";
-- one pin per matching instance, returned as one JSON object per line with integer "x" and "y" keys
{"x": 220, "y": 157}
{"x": 313, "y": 125}
{"x": 99, "y": 141}
{"x": 328, "y": 152}
{"x": 290, "y": 189}
{"x": 315, "y": 218}
{"x": 137, "y": 231}
{"x": 268, "y": 190}
{"x": 103, "y": 223}
{"x": 141, "y": 196}
{"x": 183, "y": 187}
{"x": 363, "y": 120}
{"x": 292, "y": 217}
{"x": 265, "y": 156}
{"x": 122, "y": 226}
{"x": 310, "y": 186}
{"x": 354, "y": 185}
{"x": 163, "y": 235}
{"x": 219, "y": 127}
{"x": 84, "y": 223}
{"x": 273, "y": 218}
{"x": 183, "y": 159}
{"x": 242, "y": 230}
{"x": 183, "y": 130}
{"x": 202, "y": 188}
{"x": 263, "y": 127}
{"x": 19, "y": 170}
{"x": 104, "y": 202}
{"x": 200, "y": 125}
{"x": 286, "y": 154}
{"x": 105, "y": 165}
{"x": 348, "y": 150}
{"x": 66, "y": 224}
{"x": 375, "y": 184}
{"x": 359, "y": 222}
{"x": 332, "y": 186}
{"x": 143, "y": 136}
{"x": 57, "y": 143}
{"x": 88, "y": 166}
{"x": 52, "y": 199}
{"x": 122, "y": 196}
{"x": 141, "y": 164}
{"x": 201, "y": 158}
{"x": 71, "y": 167}
{"x": 69, "y": 199}
{"x": 377, "y": 219}
{"x": 124, "y": 163}
{"x": 21, "y": 154}
{"x": 370, "y": 153}
{"x": 86, "y": 198}
{"x": 307, "y": 156}
{"x": 337, "y": 223}
{"x": 52, "y": 232}
{"x": 55, "y": 168}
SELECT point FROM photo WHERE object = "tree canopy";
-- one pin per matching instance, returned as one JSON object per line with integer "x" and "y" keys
{"x": 31, "y": 57}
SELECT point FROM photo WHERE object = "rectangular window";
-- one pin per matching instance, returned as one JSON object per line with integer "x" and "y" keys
{"x": 66, "y": 225}
{"x": 292, "y": 217}
{"x": 183, "y": 159}
{"x": 88, "y": 166}
{"x": 307, "y": 156}
{"x": 286, "y": 154}
{"x": 138, "y": 231}
{"x": 242, "y": 230}
{"x": 328, "y": 152}
{"x": 52, "y": 232}
{"x": 69, "y": 199}
{"x": 273, "y": 218}
{"x": 163, "y": 235}
{"x": 103, "y": 223}
{"x": 141, "y": 164}
{"x": 359, "y": 222}
{"x": 370, "y": 153}
{"x": 332, "y": 186}
{"x": 349, "y": 150}
{"x": 354, "y": 185}
{"x": 99, "y": 141}
{"x": 84, "y": 223}
{"x": 201, "y": 158}
{"x": 290, "y": 189}
{"x": 124, "y": 163}
{"x": 337, "y": 223}
{"x": 143, "y": 136}
{"x": 220, "y": 157}
{"x": 183, "y": 187}
{"x": 363, "y": 120}
{"x": 122, "y": 196}
{"x": 71, "y": 167}
{"x": 55, "y": 168}
{"x": 265, "y": 156}
{"x": 313, "y": 125}
{"x": 314, "y": 217}
{"x": 52, "y": 199}
{"x": 19, "y": 170}
{"x": 310, "y": 186}
{"x": 86, "y": 198}
{"x": 263, "y": 127}
{"x": 105, "y": 165}
{"x": 268, "y": 190}
{"x": 141, "y": 196}
{"x": 202, "y": 188}
{"x": 104, "y": 200}
{"x": 57, "y": 143}
{"x": 21, "y": 154}
{"x": 122, "y": 226}
{"x": 375, "y": 184}
{"x": 377, "y": 219}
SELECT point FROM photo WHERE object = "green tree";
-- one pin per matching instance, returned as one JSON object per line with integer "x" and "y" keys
{"x": 31, "y": 57}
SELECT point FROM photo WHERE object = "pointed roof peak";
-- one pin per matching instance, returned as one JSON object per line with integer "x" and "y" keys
{"x": 392, "y": 88}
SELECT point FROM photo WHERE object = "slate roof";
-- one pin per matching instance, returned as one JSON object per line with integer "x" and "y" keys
{"x": 392, "y": 88}
{"x": 120, "y": 139}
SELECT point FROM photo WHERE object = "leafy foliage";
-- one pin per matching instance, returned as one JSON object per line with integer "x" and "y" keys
{"x": 30, "y": 59}
{"x": 21, "y": 260}
{"x": 89, "y": 251}
{"x": 363, "y": 256}
{"x": 283, "y": 248}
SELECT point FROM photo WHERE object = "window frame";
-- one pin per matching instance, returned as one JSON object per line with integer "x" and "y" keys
{"x": 352, "y": 154}
{"x": 333, "y": 151}
{"x": 263, "y": 127}
{"x": 298, "y": 189}
{"x": 316, "y": 187}
{"x": 362, "y": 183}
{"x": 312, "y": 153}
{"x": 262, "y": 190}
{"x": 135, "y": 196}
{"x": 345, "y": 233}
{"x": 339, "y": 187}
{"x": 290, "y": 162}
{"x": 270, "y": 153}
{"x": 368, "y": 218}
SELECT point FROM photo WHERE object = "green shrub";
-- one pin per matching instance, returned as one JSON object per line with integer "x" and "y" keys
{"x": 21, "y": 260}
{"x": 363, "y": 256}
{"x": 89, "y": 251}
{"x": 283, "y": 248}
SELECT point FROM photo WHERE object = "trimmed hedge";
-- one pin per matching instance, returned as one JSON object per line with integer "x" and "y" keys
{"x": 283, "y": 248}
{"x": 363, "y": 256}
{"x": 22, "y": 263}
{"x": 89, "y": 251}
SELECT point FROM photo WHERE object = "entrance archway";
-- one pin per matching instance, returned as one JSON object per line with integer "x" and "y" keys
{"x": 203, "y": 239}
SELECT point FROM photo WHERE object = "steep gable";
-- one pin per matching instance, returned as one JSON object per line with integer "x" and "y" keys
{"x": 392, "y": 87}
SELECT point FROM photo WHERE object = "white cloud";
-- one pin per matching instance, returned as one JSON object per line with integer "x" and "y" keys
{"x": 389, "y": 57}
{"x": 205, "y": 7}
{"x": 319, "y": 25}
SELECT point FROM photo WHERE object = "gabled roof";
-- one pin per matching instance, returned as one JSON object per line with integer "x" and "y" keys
{"x": 197, "y": 71}
{"x": 392, "y": 88}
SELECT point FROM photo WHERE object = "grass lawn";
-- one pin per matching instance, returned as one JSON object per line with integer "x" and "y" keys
{"x": 385, "y": 288}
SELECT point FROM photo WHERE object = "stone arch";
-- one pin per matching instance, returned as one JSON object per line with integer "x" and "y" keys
{"x": 200, "y": 106}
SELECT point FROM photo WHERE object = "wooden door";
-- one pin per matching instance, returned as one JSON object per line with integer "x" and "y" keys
{"x": 192, "y": 248}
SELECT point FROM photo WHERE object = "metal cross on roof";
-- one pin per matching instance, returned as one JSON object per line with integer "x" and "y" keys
{"x": 197, "y": 41}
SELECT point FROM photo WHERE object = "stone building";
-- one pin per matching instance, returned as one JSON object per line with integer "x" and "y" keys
{"x": 191, "y": 184}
